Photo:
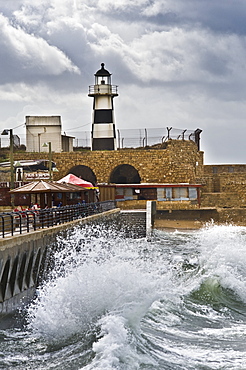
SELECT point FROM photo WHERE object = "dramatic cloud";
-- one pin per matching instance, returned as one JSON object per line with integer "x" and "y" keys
{"x": 30, "y": 54}
{"x": 177, "y": 63}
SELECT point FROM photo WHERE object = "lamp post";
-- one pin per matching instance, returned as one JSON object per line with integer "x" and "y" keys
{"x": 11, "y": 159}
{"x": 45, "y": 145}
{"x": 11, "y": 154}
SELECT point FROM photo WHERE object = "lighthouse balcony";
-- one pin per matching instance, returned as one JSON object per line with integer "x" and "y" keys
{"x": 103, "y": 89}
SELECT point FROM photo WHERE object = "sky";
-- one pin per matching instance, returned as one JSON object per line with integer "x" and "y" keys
{"x": 178, "y": 63}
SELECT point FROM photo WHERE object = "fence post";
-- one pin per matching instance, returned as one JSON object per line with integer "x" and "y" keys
{"x": 118, "y": 139}
{"x": 168, "y": 132}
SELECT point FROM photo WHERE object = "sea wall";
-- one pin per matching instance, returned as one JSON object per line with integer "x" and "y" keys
{"x": 24, "y": 259}
{"x": 197, "y": 218}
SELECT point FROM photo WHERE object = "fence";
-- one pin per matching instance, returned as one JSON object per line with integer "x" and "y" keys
{"x": 13, "y": 223}
{"x": 134, "y": 138}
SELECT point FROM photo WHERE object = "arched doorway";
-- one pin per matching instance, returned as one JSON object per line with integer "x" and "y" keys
{"x": 125, "y": 174}
{"x": 84, "y": 172}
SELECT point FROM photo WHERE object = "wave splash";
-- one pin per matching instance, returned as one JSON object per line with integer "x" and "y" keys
{"x": 139, "y": 303}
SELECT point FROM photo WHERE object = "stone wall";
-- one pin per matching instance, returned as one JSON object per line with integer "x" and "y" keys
{"x": 179, "y": 162}
{"x": 225, "y": 190}
{"x": 160, "y": 205}
{"x": 224, "y": 168}
{"x": 224, "y": 186}
{"x": 200, "y": 217}
{"x": 216, "y": 178}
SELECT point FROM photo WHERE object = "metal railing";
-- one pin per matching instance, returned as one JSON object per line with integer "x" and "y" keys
{"x": 103, "y": 89}
{"x": 14, "y": 223}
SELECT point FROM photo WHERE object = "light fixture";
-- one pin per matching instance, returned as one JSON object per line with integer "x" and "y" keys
{"x": 5, "y": 132}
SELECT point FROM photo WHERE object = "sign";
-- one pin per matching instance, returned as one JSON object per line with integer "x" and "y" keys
{"x": 32, "y": 176}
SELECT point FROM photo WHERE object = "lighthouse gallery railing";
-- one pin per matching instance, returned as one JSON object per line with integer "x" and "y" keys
{"x": 103, "y": 89}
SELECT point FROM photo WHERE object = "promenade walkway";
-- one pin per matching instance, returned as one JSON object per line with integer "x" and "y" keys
{"x": 14, "y": 223}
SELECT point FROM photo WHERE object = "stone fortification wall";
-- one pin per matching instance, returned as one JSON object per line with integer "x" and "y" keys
{"x": 219, "y": 178}
{"x": 223, "y": 185}
{"x": 224, "y": 168}
{"x": 179, "y": 162}
{"x": 225, "y": 190}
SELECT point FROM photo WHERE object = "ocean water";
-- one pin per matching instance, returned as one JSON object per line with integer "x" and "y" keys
{"x": 174, "y": 301}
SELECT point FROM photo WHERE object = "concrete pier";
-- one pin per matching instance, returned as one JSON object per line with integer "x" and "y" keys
{"x": 24, "y": 258}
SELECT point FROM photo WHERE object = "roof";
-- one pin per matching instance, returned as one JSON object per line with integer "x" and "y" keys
{"x": 47, "y": 187}
{"x": 102, "y": 71}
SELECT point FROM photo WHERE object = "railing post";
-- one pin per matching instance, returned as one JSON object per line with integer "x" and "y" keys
{"x": 34, "y": 218}
{"x": 42, "y": 218}
{"x": 27, "y": 223}
{"x": 12, "y": 224}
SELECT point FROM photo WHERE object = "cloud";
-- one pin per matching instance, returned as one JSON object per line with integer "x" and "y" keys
{"x": 120, "y": 5}
{"x": 176, "y": 55}
{"x": 29, "y": 55}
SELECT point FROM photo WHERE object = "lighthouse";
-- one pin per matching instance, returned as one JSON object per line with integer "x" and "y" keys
{"x": 103, "y": 133}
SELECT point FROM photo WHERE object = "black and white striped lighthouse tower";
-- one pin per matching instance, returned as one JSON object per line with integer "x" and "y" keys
{"x": 103, "y": 126}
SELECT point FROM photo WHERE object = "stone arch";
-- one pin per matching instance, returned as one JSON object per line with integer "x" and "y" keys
{"x": 84, "y": 172}
{"x": 125, "y": 174}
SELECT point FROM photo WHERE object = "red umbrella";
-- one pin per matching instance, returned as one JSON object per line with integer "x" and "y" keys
{"x": 72, "y": 179}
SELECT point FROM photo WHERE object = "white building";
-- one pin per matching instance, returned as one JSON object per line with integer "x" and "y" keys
{"x": 45, "y": 129}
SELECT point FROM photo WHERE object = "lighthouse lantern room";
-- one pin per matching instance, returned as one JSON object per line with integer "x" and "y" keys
{"x": 103, "y": 126}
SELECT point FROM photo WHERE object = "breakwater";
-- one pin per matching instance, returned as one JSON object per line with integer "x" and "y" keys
{"x": 24, "y": 259}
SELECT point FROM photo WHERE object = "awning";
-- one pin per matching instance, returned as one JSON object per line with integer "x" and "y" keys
{"x": 74, "y": 180}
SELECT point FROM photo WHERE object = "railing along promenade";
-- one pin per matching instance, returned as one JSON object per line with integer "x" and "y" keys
{"x": 14, "y": 223}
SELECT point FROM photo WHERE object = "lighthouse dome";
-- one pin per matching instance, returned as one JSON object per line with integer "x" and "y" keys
{"x": 102, "y": 71}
